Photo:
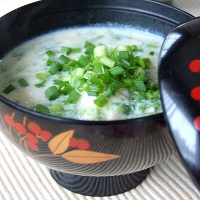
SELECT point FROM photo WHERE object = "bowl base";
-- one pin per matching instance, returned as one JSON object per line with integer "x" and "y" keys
{"x": 99, "y": 186}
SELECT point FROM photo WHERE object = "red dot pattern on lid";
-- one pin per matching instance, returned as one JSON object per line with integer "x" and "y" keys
{"x": 197, "y": 123}
{"x": 195, "y": 93}
{"x": 194, "y": 66}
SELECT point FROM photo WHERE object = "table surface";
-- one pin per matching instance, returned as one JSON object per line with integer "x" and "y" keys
{"x": 21, "y": 178}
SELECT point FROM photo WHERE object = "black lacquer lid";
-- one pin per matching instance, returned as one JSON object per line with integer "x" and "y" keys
{"x": 179, "y": 79}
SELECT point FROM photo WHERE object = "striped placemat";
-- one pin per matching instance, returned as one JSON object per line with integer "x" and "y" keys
{"x": 21, "y": 178}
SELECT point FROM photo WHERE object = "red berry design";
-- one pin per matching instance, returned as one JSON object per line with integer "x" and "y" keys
{"x": 32, "y": 145}
{"x": 73, "y": 142}
{"x": 197, "y": 123}
{"x": 32, "y": 138}
{"x": 9, "y": 120}
{"x": 32, "y": 141}
{"x": 33, "y": 127}
{"x": 195, "y": 66}
{"x": 20, "y": 128}
{"x": 45, "y": 135}
{"x": 83, "y": 144}
{"x": 195, "y": 93}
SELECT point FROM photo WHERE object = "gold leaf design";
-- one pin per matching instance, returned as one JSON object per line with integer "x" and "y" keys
{"x": 60, "y": 142}
{"x": 88, "y": 157}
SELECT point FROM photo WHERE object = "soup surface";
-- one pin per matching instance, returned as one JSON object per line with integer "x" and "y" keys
{"x": 88, "y": 73}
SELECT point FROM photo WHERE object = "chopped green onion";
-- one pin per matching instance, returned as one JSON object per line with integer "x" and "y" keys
{"x": 153, "y": 86}
{"x": 134, "y": 48}
{"x": 40, "y": 76}
{"x": 116, "y": 71}
{"x": 151, "y": 53}
{"x": 83, "y": 60}
{"x": 139, "y": 96}
{"x": 101, "y": 100}
{"x": 142, "y": 76}
{"x": 89, "y": 47}
{"x": 63, "y": 60}
{"x": 71, "y": 64}
{"x": 94, "y": 88}
{"x": 92, "y": 93}
{"x": 88, "y": 75}
{"x": 41, "y": 84}
{"x": 147, "y": 62}
{"x": 58, "y": 82}
{"x": 98, "y": 68}
{"x": 127, "y": 83}
{"x": 115, "y": 85}
{"x": 41, "y": 109}
{"x": 123, "y": 48}
{"x": 125, "y": 62}
{"x": 105, "y": 77}
{"x": 50, "y": 53}
{"x": 52, "y": 93}
{"x": 79, "y": 72}
{"x": 139, "y": 85}
{"x": 66, "y": 50}
{"x": 98, "y": 81}
{"x": 76, "y": 50}
{"x": 23, "y": 82}
{"x": 140, "y": 62}
{"x": 73, "y": 97}
{"x": 149, "y": 95}
{"x": 81, "y": 85}
{"x": 100, "y": 51}
{"x": 56, "y": 108}
{"x": 123, "y": 55}
{"x": 65, "y": 88}
{"x": 9, "y": 89}
{"x": 49, "y": 62}
{"x": 106, "y": 61}
{"x": 54, "y": 68}
{"x": 156, "y": 94}
{"x": 108, "y": 92}
{"x": 100, "y": 72}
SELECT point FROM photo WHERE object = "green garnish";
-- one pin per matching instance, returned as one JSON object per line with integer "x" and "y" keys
{"x": 42, "y": 109}
{"x": 9, "y": 89}
{"x": 41, "y": 84}
{"x": 101, "y": 100}
{"x": 52, "y": 93}
{"x": 23, "y": 82}
{"x": 66, "y": 50}
{"x": 100, "y": 51}
{"x": 83, "y": 60}
{"x": 104, "y": 60}
{"x": 101, "y": 72}
{"x": 63, "y": 60}
{"x": 89, "y": 47}
{"x": 56, "y": 108}
{"x": 151, "y": 53}
{"x": 73, "y": 97}
{"x": 41, "y": 76}
{"x": 76, "y": 50}
{"x": 50, "y": 53}
{"x": 116, "y": 71}
{"x": 54, "y": 68}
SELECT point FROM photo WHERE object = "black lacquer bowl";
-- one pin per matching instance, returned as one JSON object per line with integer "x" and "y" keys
{"x": 113, "y": 156}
